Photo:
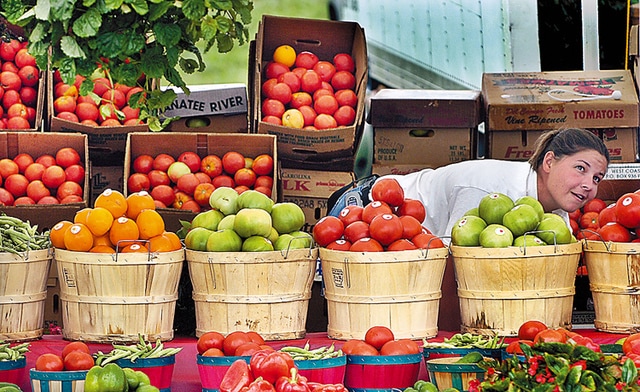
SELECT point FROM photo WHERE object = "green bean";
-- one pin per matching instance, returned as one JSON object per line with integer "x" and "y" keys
{"x": 9, "y": 353}
{"x": 133, "y": 352}
{"x": 305, "y": 353}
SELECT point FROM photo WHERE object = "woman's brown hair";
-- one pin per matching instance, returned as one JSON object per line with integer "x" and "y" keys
{"x": 567, "y": 141}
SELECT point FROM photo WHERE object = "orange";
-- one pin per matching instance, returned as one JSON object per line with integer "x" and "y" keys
{"x": 112, "y": 200}
{"x": 102, "y": 240}
{"x": 81, "y": 215}
{"x": 78, "y": 238}
{"x": 285, "y": 54}
{"x": 99, "y": 221}
{"x": 139, "y": 201}
{"x": 150, "y": 224}
{"x": 175, "y": 240}
{"x": 162, "y": 243}
{"x": 56, "y": 234}
{"x": 102, "y": 249}
{"x": 123, "y": 229}
{"x": 135, "y": 248}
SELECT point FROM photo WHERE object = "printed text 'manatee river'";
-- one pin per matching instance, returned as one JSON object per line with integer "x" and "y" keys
{"x": 201, "y": 106}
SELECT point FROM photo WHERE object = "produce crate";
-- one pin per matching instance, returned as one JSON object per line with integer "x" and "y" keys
{"x": 175, "y": 143}
{"x": 298, "y": 147}
{"x": 519, "y": 107}
{"x": 36, "y": 144}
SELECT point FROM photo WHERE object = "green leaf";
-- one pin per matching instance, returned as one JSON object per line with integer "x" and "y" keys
{"x": 224, "y": 24}
{"x": 62, "y": 9}
{"x": 194, "y": 9}
{"x": 153, "y": 63}
{"x": 225, "y": 44}
{"x": 629, "y": 371}
{"x": 156, "y": 11}
{"x": 189, "y": 66}
{"x": 224, "y": 5}
{"x": 88, "y": 24}
{"x": 71, "y": 48}
{"x": 174, "y": 78}
{"x": 209, "y": 28}
{"x": 140, "y": 6}
{"x": 67, "y": 70}
{"x": 167, "y": 34}
{"x": 42, "y": 9}
{"x": 113, "y": 4}
{"x": 13, "y": 9}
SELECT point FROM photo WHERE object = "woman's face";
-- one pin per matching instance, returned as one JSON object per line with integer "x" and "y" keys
{"x": 573, "y": 179}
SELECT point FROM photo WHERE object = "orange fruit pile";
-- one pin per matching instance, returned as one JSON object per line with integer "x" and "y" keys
{"x": 116, "y": 224}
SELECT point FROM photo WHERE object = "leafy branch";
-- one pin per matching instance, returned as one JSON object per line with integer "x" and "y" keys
{"x": 134, "y": 42}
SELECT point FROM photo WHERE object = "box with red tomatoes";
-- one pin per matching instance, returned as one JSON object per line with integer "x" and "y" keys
{"x": 326, "y": 65}
{"x": 47, "y": 171}
{"x": 180, "y": 200}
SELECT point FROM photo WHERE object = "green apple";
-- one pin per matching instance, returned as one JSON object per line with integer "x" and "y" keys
{"x": 252, "y": 221}
{"x": 466, "y": 231}
{"x": 257, "y": 243}
{"x": 196, "y": 238}
{"x": 225, "y": 200}
{"x": 197, "y": 122}
{"x": 273, "y": 236}
{"x": 522, "y": 218}
{"x": 227, "y": 222}
{"x": 225, "y": 240}
{"x": 496, "y": 236}
{"x": 554, "y": 231}
{"x": 533, "y": 202}
{"x": 208, "y": 219}
{"x": 287, "y": 241}
{"x": 493, "y": 206}
{"x": 254, "y": 199}
{"x": 528, "y": 240}
{"x": 287, "y": 217}
{"x": 473, "y": 211}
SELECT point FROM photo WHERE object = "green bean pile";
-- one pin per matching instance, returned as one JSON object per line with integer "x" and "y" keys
{"x": 132, "y": 352}
{"x": 468, "y": 340}
{"x": 305, "y": 353}
{"x": 18, "y": 236}
{"x": 8, "y": 353}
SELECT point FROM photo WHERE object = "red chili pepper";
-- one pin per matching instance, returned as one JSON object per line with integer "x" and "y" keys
{"x": 237, "y": 377}
{"x": 271, "y": 365}
{"x": 317, "y": 387}
{"x": 294, "y": 383}
{"x": 259, "y": 385}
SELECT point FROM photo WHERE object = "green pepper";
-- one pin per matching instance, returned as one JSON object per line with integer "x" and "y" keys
{"x": 9, "y": 387}
{"x": 132, "y": 378}
{"x": 110, "y": 378}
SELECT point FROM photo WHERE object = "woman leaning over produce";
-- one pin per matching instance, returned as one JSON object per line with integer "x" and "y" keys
{"x": 563, "y": 174}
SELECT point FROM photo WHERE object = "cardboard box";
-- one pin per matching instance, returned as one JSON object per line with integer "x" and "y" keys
{"x": 103, "y": 177}
{"x": 217, "y": 108}
{"x": 52, "y": 305}
{"x": 428, "y": 127}
{"x": 106, "y": 144}
{"x": 622, "y": 144}
{"x": 175, "y": 143}
{"x": 310, "y": 190}
{"x": 551, "y": 100}
{"x": 382, "y": 169}
{"x": 324, "y": 38}
{"x": 36, "y": 144}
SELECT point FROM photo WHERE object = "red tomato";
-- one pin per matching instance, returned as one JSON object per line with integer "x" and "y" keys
{"x": 366, "y": 245}
{"x": 589, "y": 220}
{"x": 247, "y": 349}
{"x": 389, "y": 191}
{"x": 401, "y": 244}
{"x": 232, "y": 341}
{"x": 356, "y": 230}
{"x": 515, "y": 348}
{"x": 631, "y": 344}
{"x": 427, "y": 241}
{"x": 364, "y": 348}
{"x": 628, "y": 210}
{"x": 386, "y": 228}
{"x": 634, "y": 357}
{"x": 255, "y": 337}
{"x": 350, "y": 214}
{"x": 75, "y": 346}
{"x": 615, "y": 232}
{"x": 78, "y": 360}
{"x": 49, "y": 362}
{"x": 213, "y": 352}
{"x": 594, "y": 205}
{"x": 378, "y": 335}
{"x": 375, "y": 208}
{"x": 529, "y": 329}
{"x": 607, "y": 215}
{"x": 340, "y": 245}
{"x": 400, "y": 347}
{"x": 349, "y": 345}
{"x": 327, "y": 230}
{"x": 414, "y": 208}
{"x": 211, "y": 339}
{"x": 575, "y": 215}
{"x": 550, "y": 335}
{"x": 410, "y": 226}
